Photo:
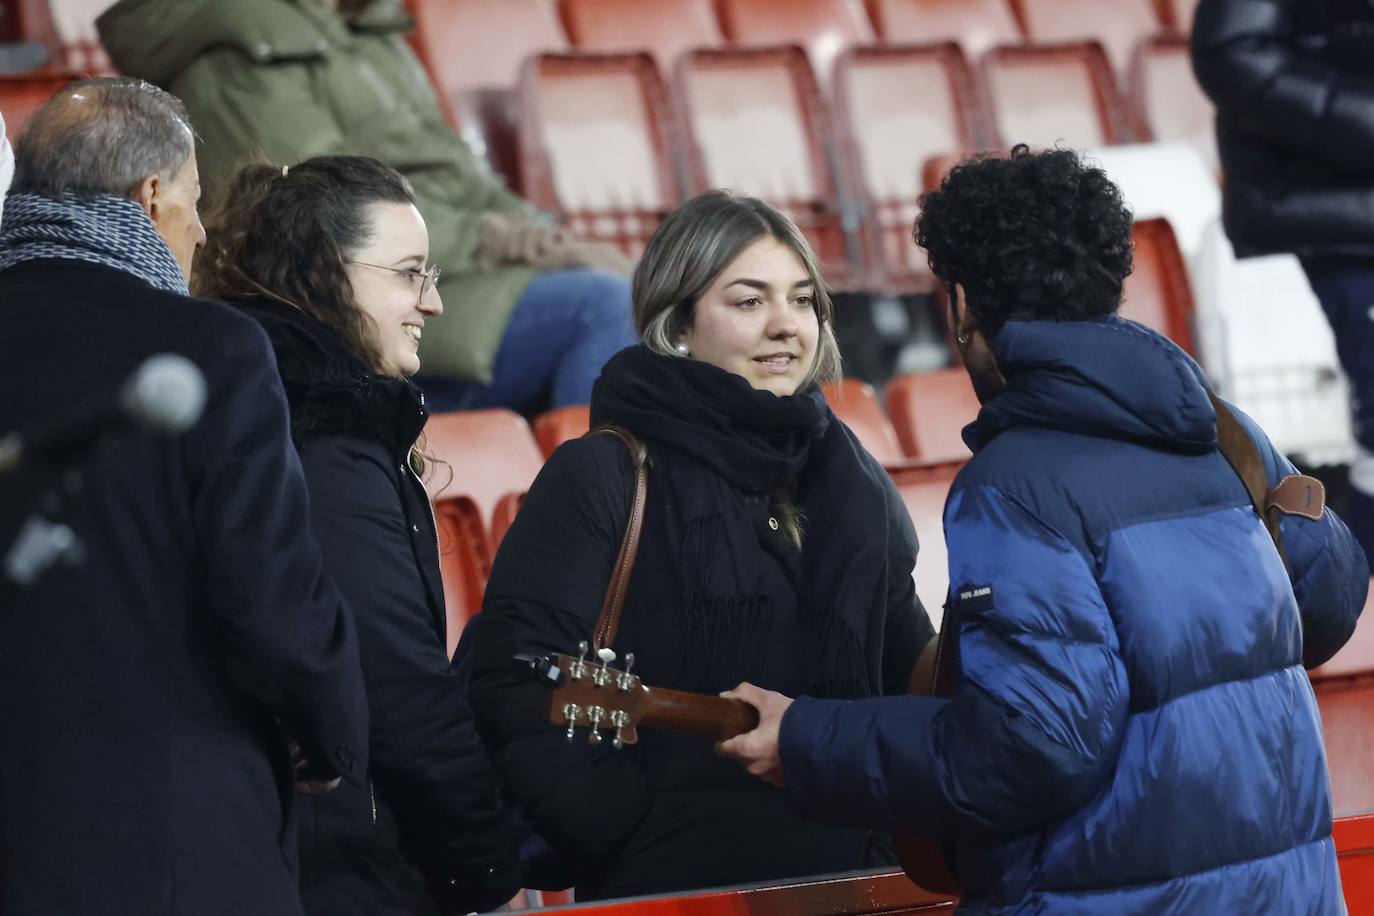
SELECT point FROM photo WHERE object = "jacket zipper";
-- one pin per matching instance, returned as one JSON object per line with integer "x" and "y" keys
{"x": 433, "y": 519}
{"x": 372, "y": 796}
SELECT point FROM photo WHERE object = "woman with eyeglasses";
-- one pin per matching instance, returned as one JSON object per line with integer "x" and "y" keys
{"x": 331, "y": 257}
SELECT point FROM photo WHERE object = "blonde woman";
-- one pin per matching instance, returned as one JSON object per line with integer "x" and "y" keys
{"x": 774, "y": 550}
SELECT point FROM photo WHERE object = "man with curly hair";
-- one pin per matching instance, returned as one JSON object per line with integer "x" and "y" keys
{"x": 1127, "y": 726}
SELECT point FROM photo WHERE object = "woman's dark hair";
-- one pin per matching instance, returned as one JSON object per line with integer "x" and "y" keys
{"x": 287, "y": 234}
{"x": 1033, "y": 235}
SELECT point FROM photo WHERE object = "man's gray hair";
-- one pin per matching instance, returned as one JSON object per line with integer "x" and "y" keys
{"x": 102, "y": 136}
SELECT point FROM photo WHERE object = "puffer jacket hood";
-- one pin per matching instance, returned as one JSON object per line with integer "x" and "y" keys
{"x": 162, "y": 41}
{"x": 1106, "y": 377}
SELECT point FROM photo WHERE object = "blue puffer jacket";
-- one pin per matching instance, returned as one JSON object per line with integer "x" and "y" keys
{"x": 1132, "y": 730}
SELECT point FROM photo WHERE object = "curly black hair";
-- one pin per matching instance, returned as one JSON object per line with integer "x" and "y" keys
{"x": 1033, "y": 235}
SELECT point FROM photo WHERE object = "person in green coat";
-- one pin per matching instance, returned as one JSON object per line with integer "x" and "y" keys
{"x": 532, "y": 313}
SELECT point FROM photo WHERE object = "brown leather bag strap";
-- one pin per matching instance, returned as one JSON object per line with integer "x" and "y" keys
{"x": 1295, "y": 494}
{"x": 608, "y": 621}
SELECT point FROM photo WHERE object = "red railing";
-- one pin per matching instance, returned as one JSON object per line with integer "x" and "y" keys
{"x": 892, "y": 893}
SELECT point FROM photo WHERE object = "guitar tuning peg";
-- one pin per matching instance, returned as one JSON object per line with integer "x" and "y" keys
{"x": 624, "y": 681}
{"x": 602, "y": 677}
{"x": 594, "y": 715}
{"x": 619, "y": 719}
{"x": 579, "y": 667}
{"x": 570, "y": 711}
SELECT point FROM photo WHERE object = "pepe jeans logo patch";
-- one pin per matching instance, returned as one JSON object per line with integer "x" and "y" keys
{"x": 975, "y": 598}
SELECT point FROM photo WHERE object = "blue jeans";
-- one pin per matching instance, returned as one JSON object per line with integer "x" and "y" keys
{"x": 1346, "y": 291}
{"x": 565, "y": 326}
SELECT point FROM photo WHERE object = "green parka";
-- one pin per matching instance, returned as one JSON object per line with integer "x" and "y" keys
{"x": 291, "y": 79}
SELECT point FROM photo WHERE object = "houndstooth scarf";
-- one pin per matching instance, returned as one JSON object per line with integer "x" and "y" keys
{"x": 107, "y": 230}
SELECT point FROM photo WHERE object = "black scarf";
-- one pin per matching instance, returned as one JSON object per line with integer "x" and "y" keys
{"x": 759, "y": 442}
{"x": 330, "y": 391}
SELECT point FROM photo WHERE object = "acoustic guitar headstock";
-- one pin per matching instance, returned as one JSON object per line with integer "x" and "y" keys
{"x": 592, "y": 694}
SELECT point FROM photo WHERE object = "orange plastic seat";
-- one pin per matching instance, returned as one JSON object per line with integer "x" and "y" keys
{"x": 888, "y": 136}
{"x": 464, "y": 563}
{"x": 484, "y": 455}
{"x": 664, "y": 28}
{"x": 594, "y": 145}
{"x": 976, "y": 25}
{"x": 823, "y": 27}
{"x": 924, "y": 492}
{"x": 1177, "y": 15}
{"x": 473, "y": 51}
{"x": 1118, "y": 26}
{"x": 66, "y": 28}
{"x": 856, "y": 404}
{"x": 1166, "y": 100}
{"x": 754, "y": 122}
{"x": 929, "y": 411}
{"x": 554, "y": 427}
{"x": 1061, "y": 94}
{"x": 1157, "y": 292}
{"x": 21, "y": 96}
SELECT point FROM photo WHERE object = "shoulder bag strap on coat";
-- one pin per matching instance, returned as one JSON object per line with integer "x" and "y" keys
{"x": 1295, "y": 495}
{"x": 608, "y": 622}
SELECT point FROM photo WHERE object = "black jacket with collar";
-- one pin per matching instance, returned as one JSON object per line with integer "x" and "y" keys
{"x": 142, "y": 769}
{"x": 1293, "y": 81}
{"x": 431, "y": 813}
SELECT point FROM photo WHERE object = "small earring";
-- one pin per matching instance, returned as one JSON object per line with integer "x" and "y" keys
{"x": 961, "y": 340}
{"x": 682, "y": 348}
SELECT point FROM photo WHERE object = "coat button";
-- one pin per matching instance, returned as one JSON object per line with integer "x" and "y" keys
{"x": 415, "y": 528}
{"x": 772, "y": 523}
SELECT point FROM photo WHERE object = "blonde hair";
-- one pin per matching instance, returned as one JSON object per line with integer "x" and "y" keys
{"x": 690, "y": 250}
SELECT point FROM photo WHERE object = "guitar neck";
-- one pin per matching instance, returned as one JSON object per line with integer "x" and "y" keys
{"x": 717, "y": 718}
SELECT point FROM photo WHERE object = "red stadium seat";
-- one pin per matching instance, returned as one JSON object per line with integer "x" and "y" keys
{"x": 976, "y": 25}
{"x": 66, "y": 28}
{"x": 483, "y": 455}
{"x": 1057, "y": 94}
{"x": 888, "y": 135}
{"x": 1166, "y": 100}
{"x": 554, "y": 427}
{"x": 664, "y": 28}
{"x": 473, "y": 51}
{"x": 924, "y": 492}
{"x": 21, "y": 96}
{"x": 855, "y": 403}
{"x": 594, "y": 145}
{"x": 1177, "y": 15}
{"x": 1157, "y": 292}
{"x": 754, "y": 122}
{"x": 464, "y": 563}
{"x": 823, "y": 27}
{"x": 929, "y": 410}
{"x": 1345, "y": 695}
{"x": 1119, "y": 25}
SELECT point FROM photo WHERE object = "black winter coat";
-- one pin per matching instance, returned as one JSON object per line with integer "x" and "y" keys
{"x": 142, "y": 769}
{"x": 431, "y": 808}
{"x": 714, "y": 599}
{"x": 1293, "y": 81}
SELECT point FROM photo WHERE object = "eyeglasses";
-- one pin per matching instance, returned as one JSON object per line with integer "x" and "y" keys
{"x": 427, "y": 279}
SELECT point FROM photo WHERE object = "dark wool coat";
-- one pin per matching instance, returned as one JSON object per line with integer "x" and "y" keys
{"x": 717, "y": 596}
{"x": 142, "y": 769}
{"x": 1293, "y": 81}
{"x": 431, "y": 806}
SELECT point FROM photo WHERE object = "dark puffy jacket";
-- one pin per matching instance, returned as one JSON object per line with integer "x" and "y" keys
{"x": 430, "y": 811}
{"x": 1131, "y": 731}
{"x": 1293, "y": 81}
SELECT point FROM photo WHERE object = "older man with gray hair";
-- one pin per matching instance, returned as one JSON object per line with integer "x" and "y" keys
{"x": 163, "y": 699}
